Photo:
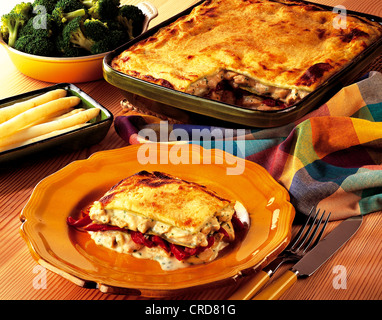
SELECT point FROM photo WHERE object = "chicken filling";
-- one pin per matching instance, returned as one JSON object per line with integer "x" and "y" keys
{"x": 133, "y": 221}
{"x": 238, "y": 89}
{"x": 122, "y": 242}
{"x": 125, "y": 235}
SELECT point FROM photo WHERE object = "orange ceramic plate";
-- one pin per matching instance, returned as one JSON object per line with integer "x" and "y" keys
{"x": 73, "y": 255}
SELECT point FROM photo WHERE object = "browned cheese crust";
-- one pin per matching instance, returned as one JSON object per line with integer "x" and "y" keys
{"x": 164, "y": 198}
{"x": 277, "y": 49}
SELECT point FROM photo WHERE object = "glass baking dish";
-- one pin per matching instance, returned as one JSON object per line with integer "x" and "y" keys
{"x": 189, "y": 108}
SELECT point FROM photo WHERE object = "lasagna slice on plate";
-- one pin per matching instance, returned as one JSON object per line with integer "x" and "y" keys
{"x": 153, "y": 215}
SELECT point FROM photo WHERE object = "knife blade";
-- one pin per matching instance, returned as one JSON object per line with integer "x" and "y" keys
{"x": 313, "y": 259}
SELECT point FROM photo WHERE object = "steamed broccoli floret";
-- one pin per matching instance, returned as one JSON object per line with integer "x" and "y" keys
{"x": 49, "y": 5}
{"x": 21, "y": 43}
{"x": 23, "y": 8}
{"x": 114, "y": 39}
{"x": 65, "y": 48}
{"x": 113, "y": 24}
{"x": 39, "y": 25}
{"x": 70, "y": 28}
{"x": 39, "y": 45}
{"x": 10, "y": 25}
{"x": 102, "y": 9}
{"x": 100, "y": 46}
{"x": 94, "y": 36}
{"x": 95, "y": 29}
{"x": 69, "y": 5}
{"x": 74, "y": 52}
{"x": 61, "y": 17}
{"x": 67, "y": 10}
{"x": 36, "y": 37}
{"x": 91, "y": 35}
{"x": 131, "y": 18}
{"x": 73, "y": 34}
{"x": 105, "y": 38}
{"x": 117, "y": 38}
{"x": 13, "y": 21}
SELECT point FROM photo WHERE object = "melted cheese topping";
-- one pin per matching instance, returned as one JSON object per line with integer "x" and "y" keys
{"x": 136, "y": 222}
{"x": 280, "y": 49}
{"x": 162, "y": 197}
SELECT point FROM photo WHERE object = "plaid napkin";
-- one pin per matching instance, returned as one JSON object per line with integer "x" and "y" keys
{"x": 332, "y": 157}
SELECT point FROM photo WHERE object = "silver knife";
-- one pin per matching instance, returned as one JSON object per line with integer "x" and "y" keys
{"x": 313, "y": 259}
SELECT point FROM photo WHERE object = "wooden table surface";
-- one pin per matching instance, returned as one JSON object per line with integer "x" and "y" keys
{"x": 361, "y": 256}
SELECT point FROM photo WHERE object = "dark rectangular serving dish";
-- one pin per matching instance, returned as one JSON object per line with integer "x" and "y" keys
{"x": 188, "y": 108}
{"x": 69, "y": 141}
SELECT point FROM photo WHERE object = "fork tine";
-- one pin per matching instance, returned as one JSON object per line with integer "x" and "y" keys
{"x": 318, "y": 224}
{"x": 289, "y": 255}
{"x": 322, "y": 230}
{"x": 306, "y": 235}
{"x": 297, "y": 237}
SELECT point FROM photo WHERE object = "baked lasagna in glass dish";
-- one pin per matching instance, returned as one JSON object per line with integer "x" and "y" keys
{"x": 256, "y": 54}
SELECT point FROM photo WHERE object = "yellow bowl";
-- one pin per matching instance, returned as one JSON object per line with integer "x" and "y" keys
{"x": 71, "y": 70}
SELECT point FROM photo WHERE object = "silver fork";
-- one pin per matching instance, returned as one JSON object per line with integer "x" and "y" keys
{"x": 302, "y": 242}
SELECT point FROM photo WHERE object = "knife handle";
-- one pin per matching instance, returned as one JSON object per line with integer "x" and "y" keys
{"x": 251, "y": 286}
{"x": 275, "y": 290}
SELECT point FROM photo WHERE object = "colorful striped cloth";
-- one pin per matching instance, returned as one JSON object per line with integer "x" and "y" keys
{"x": 331, "y": 158}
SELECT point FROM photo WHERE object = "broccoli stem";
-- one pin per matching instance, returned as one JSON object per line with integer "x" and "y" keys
{"x": 74, "y": 14}
{"x": 81, "y": 41}
{"x": 13, "y": 33}
{"x": 87, "y": 3}
{"x": 12, "y": 39}
{"x": 129, "y": 26}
